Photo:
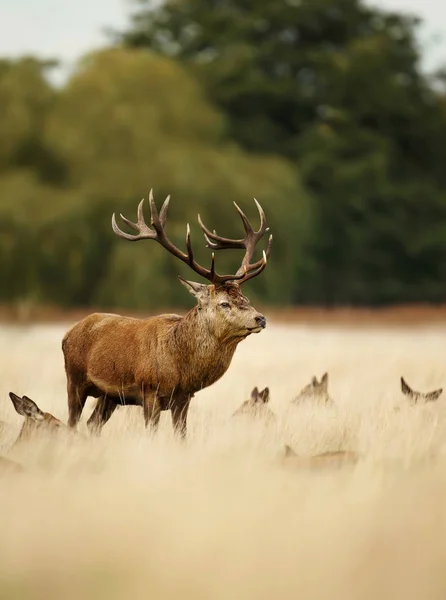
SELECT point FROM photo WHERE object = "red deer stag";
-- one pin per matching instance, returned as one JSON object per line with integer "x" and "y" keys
{"x": 161, "y": 362}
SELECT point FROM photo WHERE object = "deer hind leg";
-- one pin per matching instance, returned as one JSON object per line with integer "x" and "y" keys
{"x": 76, "y": 402}
{"x": 179, "y": 417}
{"x": 152, "y": 411}
{"x": 102, "y": 412}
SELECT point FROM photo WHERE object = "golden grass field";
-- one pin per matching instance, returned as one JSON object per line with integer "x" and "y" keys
{"x": 130, "y": 516}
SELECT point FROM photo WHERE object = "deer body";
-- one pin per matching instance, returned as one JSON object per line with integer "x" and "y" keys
{"x": 147, "y": 356}
{"x": 162, "y": 361}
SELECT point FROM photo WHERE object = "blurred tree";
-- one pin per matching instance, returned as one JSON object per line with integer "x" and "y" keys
{"x": 53, "y": 246}
{"x": 277, "y": 67}
{"x": 26, "y": 98}
{"x": 375, "y": 240}
{"x": 137, "y": 131}
{"x": 336, "y": 87}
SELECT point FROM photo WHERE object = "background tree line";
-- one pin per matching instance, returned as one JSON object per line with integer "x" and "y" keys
{"x": 317, "y": 108}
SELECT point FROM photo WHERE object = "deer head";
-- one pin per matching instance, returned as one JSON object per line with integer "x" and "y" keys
{"x": 222, "y": 307}
{"x": 415, "y": 397}
{"x": 315, "y": 391}
{"x": 36, "y": 422}
{"x": 256, "y": 405}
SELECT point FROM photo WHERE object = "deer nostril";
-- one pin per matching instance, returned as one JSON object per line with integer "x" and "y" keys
{"x": 261, "y": 321}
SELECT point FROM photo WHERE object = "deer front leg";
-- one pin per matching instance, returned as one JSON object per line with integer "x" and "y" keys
{"x": 77, "y": 397}
{"x": 179, "y": 411}
{"x": 152, "y": 410}
{"x": 104, "y": 409}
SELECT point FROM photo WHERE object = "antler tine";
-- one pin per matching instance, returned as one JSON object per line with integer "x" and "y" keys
{"x": 257, "y": 264}
{"x": 217, "y": 242}
{"x": 144, "y": 232}
{"x": 263, "y": 226}
{"x": 142, "y": 225}
{"x": 190, "y": 252}
{"x": 247, "y": 225}
{"x": 154, "y": 217}
{"x": 209, "y": 274}
{"x": 252, "y": 237}
{"x": 254, "y": 272}
{"x": 163, "y": 211}
{"x": 128, "y": 222}
{"x": 213, "y": 264}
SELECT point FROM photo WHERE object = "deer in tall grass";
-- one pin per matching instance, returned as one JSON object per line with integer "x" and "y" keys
{"x": 256, "y": 406}
{"x": 315, "y": 391}
{"x": 161, "y": 362}
{"x": 37, "y": 423}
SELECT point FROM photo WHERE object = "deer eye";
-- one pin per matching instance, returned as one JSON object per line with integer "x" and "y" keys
{"x": 225, "y": 304}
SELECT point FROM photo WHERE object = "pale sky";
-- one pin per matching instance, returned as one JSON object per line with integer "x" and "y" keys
{"x": 68, "y": 29}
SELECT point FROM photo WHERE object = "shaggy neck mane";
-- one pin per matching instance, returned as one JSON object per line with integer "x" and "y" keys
{"x": 194, "y": 337}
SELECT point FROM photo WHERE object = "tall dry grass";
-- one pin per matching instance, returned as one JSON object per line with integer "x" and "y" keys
{"x": 129, "y": 516}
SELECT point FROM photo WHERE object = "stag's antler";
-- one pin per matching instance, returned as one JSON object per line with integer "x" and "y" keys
{"x": 158, "y": 222}
{"x": 249, "y": 242}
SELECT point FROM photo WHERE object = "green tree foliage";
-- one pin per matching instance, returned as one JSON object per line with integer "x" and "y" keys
{"x": 127, "y": 121}
{"x": 26, "y": 100}
{"x": 336, "y": 87}
{"x": 318, "y": 109}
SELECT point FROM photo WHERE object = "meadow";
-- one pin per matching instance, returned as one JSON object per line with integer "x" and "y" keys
{"x": 223, "y": 516}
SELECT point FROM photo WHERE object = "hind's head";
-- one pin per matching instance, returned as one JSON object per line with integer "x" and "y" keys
{"x": 36, "y": 421}
{"x": 256, "y": 405}
{"x": 315, "y": 391}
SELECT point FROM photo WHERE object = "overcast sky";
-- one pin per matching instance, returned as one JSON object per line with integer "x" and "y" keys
{"x": 66, "y": 29}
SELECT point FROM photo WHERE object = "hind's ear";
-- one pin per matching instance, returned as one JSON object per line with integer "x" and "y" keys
{"x": 324, "y": 381}
{"x": 26, "y": 407}
{"x": 314, "y": 381}
{"x": 264, "y": 395}
{"x": 255, "y": 394}
{"x": 431, "y": 396}
{"x": 407, "y": 391}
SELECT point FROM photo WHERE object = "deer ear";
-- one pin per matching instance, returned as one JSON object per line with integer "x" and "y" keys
{"x": 407, "y": 391}
{"x": 255, "y": 394}
{"x": 26, "y": 407}
{"x": 264, "y": 395}
{"x": 314, "y": 381}
{"x": 324, "y": 380}
{"x": 199, "y": 290}
{"x": 431, "y": 396}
